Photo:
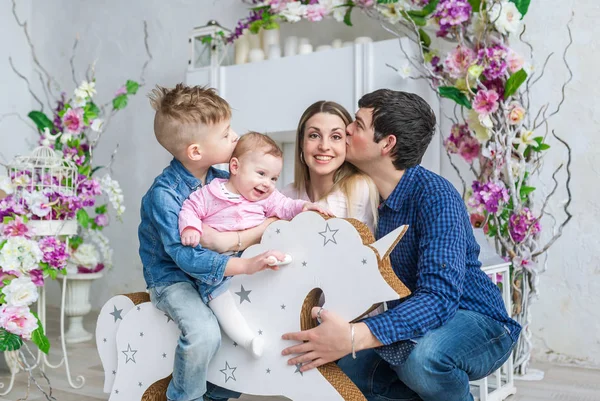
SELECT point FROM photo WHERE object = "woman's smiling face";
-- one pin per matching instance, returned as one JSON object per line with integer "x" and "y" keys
{"x": 324, "y": 144}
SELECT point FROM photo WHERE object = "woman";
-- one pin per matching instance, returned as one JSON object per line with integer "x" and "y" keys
{"x": 321, "y": 173}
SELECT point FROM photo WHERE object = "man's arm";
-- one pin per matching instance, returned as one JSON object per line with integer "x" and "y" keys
{"x": 441, "y": 272}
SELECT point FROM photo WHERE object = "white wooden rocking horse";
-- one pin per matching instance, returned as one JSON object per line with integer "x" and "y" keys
{"x": 337, "y": 257}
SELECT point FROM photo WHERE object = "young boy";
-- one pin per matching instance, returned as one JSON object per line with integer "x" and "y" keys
{"x": 192, "y": 123}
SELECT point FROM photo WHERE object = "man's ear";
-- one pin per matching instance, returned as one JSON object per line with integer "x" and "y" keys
{"x": 194, "y": 152}
{"x": 234, "y": 166}
{"x": 388, "y": 143}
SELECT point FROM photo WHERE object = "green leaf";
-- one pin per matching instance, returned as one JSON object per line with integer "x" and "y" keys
{"x": 425, "y": 39}
{"x": 206, "y": 39}
{"x": 525, "y": 190}
{"x": 513, "y": 83}
{"x": 7, "y": 219}
{"x": 522, "y": 6}
{"x": 455, "y": 94}
{"x": 2, "y": 244}
{"x": 120, "y": 102}
{"x": 102, "y": 209}
{"x": 132, "y": 87}
{"x": 76, "y": 241}
{"x": 412, "y": 16}
{"x": 52, "y": 273}
{"x": 475, "y": 5}
{"x": 386, "y": 1}
{"x": 348, "y": 15}
{"x": 83, "y": 218}
{"x": 40, "y": 120}
{"x": 39, "y": 338}
{"x": 543, "y": 146}
{"x": 428, "y": 9}
{"x": 9, "y": 341}
{"x": 255, "y": 26}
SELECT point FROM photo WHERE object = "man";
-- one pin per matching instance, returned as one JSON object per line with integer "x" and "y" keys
{"x": 454, "y": 327}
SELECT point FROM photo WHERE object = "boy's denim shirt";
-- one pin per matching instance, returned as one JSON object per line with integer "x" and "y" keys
{"x": 166, "y": 261}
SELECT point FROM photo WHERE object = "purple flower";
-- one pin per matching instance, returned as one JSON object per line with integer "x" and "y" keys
{"x": 99, "y": 267}
{"x": 55, "y": 252}
{"x": 520, "y": 224}
{"x": 450, "y": 13}
{"x": 16, "y": 228}
{"x": 101, "y": 220}
{"x": 121, "y": 91}
{"x": 489, "y": 196}
{"x": 37, "y": 277}
{"x": 486, "y": 102}
{"x": 493, "y": 60}
{"x": 9, "y": 207}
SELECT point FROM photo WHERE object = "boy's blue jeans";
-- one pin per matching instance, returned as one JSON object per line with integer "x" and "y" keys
{"x": 199, "y": 341}
{"x": 469, "y": 347}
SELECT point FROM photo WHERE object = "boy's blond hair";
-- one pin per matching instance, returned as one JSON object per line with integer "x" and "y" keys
{"x": 253, "y": 141}
{"x": 180, "y": 110}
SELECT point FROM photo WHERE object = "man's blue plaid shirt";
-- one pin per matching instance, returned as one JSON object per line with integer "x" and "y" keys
{"x": 437, "y": 260}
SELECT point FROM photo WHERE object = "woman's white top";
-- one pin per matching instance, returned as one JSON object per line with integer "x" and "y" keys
{"x": 336, "y": 203}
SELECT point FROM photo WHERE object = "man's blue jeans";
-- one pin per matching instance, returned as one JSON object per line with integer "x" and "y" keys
{"x": 469, "y": 347}
{"x": 199, "y": 340}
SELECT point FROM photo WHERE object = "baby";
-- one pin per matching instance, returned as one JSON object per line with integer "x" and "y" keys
{"x": 244, "y": 201}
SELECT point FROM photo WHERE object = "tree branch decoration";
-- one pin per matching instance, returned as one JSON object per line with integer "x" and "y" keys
{"x": 495, "y": 130}
{"x": 72, "y": 126}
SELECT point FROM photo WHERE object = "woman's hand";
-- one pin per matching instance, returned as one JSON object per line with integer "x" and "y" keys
{"x": 328, "y": 342}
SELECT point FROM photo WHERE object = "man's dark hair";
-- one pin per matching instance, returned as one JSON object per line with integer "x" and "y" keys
{"x": 406, "y": 116}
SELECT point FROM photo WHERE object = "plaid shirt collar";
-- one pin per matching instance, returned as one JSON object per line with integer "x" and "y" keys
{"x": 402, "y": 190}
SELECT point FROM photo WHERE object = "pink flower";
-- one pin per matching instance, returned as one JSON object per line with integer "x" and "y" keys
{"x": 73, "y": 121}
{"x": 315, "y": 12}
{"x": 469, "y": 149}
{"x": 16, "y": 228}
{"x": 516, "y": 113}
{"x": 101, "y": 220}
{"x": 523, "y": 224}
{"x": 514, "y": 60}
{"x": 486, "y": 102}
{"x": 55, "y": 252}
{"x": 365, "y": 3}
{"x": 18, "y": 320}
{"x": 37, "y": 277}
{"x": 121, "y": 91}
{"x": 458, "y": 61}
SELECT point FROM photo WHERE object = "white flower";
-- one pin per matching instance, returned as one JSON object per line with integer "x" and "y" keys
{"x": 103, "y": 245}
{"x": 20, "y": 292}
{"x": 335, "y": 7}
{"x": 85, "y": 89}
{"x": 481, "y": 128}
{"x": 38, "y": 203}
{"x": 77, "y": 101}
{"x": 524, "y": 140}
{"x": 492, "y": 151}
{"x": 20, "y": 254}
{"x": 506, "y": 17}
{"x": 97, "y": 124}
{"x": 294, "y": 11}
{"x": 6, "y": 185}
{"x": 115, "y": 193}
{"x": 86, "y": 255}
{"x": 66, "y": 137}
{"x": 21, "y": 180}
{"x": 392, "y": 11}
{"x": 405, "y": 70}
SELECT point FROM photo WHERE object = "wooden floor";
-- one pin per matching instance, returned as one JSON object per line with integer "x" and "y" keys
{"x": 560, "y": 383}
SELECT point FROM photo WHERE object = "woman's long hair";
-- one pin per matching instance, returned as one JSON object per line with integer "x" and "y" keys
{"x": 347, "y": 177}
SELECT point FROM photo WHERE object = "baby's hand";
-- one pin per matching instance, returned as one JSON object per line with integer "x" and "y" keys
{"x": 190, "y": 237}
{"x": 317, "y": 208}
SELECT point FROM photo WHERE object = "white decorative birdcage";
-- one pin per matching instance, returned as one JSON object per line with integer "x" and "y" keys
{"x": 38, "y": 180}
{"x": 209, "y": 47}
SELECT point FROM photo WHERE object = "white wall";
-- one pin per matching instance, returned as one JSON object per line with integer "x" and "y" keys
{"x": 566, "y": 319}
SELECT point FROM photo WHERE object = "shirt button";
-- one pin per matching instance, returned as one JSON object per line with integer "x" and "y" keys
{"x": 443, "y": 265}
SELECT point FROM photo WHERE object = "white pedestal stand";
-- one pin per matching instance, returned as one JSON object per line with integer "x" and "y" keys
{"x": 78, "y": 305}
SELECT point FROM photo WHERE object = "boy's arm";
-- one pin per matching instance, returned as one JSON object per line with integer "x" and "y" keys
{"x": 192, "y": 212}
{"x": 441, "y": 273}
{"x": 200, "y": 263}
{"x": 228, "y": 241}
{"x": 279, "y": 205}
